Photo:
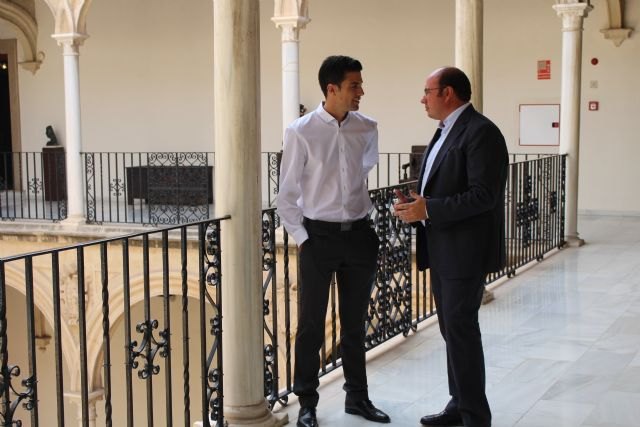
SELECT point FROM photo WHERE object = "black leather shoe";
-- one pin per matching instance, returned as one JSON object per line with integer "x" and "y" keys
{"x": 307, "y": 417}
{"x": 366, "y": 409}
{"x": 444, "y": 418}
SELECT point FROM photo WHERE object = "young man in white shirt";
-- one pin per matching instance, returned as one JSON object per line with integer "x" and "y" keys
{"x": 324, "y": 205}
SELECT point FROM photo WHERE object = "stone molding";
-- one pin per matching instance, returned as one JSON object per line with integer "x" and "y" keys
{"x": 616, "y": 32}
{"x": 27, "y": 33}
{"x": 617, "y": 35}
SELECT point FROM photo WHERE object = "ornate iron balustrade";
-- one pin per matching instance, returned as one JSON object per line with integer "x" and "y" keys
{"x": 59, "y": 283}
{"x": 534, "y": 209}
{"x": 149, "y": 188}
{"x": 72, "y": 289}
{"x": 33, "y": 186}
{"x": 154, "y": 188}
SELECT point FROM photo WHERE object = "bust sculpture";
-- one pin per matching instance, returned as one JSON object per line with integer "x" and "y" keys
{"x": 51, "y": 135}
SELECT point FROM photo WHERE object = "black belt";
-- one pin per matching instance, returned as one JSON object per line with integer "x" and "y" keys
{"x": 317, "y": 225}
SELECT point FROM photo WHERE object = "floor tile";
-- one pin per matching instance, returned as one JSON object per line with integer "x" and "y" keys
{"x": 561, "y": 340}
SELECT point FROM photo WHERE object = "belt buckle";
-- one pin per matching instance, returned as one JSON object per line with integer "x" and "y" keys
{"x": 345, "y": 226}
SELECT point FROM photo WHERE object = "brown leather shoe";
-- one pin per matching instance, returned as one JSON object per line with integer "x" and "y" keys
{"x": 307, "y": 417}
{"x": 365, "y": 409}
{"x": 444, "y": 418}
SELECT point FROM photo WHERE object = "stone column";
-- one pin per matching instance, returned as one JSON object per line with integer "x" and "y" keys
{"x": 238, "y": 194}
{"x": 290, "y": 16}
{"x": 469, "y": 38}
{"x": 73, "y": 136}
{"x": 572, "y": 13}
{"x": 469, "y": 25}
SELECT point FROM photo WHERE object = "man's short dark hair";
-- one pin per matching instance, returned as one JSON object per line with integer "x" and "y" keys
{"x": 457, "y": 80}
{"x": 334, "y": 68}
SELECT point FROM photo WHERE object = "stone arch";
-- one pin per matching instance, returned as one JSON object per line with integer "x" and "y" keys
{"x": 43, "y": 301}
{"x": 95, "y": 355}
{"x": 26, "y": 28}
{"x": 70, "y": 15}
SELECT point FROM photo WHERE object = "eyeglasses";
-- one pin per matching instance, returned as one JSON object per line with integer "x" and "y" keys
{"x": 429, "y": 89}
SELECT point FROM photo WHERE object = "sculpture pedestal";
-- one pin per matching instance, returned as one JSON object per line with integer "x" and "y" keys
{"x": 55, "y": 177}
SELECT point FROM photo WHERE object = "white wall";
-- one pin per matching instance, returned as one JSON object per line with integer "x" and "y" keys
{"x": 398, "y": 47}
{"x": 146, "y": 78}
{"x": 610, "y": 137}
{"x": 145, "y": 75}
{"x": 42, "y": 93}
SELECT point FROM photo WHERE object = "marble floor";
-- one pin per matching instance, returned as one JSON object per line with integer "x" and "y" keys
{"x": 562, "y": 345}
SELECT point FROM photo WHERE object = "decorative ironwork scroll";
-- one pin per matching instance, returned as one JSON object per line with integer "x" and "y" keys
{"x": 148, "y": 348}
{"x": 270, "y": 222}
{"x": 213, "y": 295}
{"x": 390, "y": 305}
{"x": 273, "y": 176}
{"x": 179, "y": 189}
{"x": 9, "y": 372}
{"x": 90, "y": 172}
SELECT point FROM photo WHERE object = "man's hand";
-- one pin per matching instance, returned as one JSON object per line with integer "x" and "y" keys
{"x": 411, "y": 211}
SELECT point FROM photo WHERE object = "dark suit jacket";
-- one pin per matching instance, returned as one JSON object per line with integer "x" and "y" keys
{"x": 465, "y": 233}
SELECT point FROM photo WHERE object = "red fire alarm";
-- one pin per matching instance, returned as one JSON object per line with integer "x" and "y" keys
{"x": 593, "y": 105}
{"x": 594, "y": 61}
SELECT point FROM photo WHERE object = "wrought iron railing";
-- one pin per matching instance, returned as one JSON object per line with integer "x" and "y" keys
{"x": 91, "y": 307}
{"x": 389, "y": 312}
{"x": 401, "y": 297}
{"x": 32, "y": 185}
{"x": 392, "y": 169}
{"x": 159, "y": 188}
{"x": 147, "y": 188}
{"x": 132, "y": 269}
{"x": 534, "y": 209}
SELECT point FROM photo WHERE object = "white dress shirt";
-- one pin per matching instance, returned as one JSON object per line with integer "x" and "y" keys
{"x": 324, "y": 169}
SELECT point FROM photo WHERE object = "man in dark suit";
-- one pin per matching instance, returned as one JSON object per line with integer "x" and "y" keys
{"x": 459, "y": 213}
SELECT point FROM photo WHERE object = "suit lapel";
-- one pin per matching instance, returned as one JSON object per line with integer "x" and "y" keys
{"x": 458, "y": 127}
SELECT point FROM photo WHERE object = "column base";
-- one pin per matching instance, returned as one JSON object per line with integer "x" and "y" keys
{"x": 573, "y": 241}
{"x": 487, "y": 296}
{"x": 74, "y": 221}
{"x": 251, "y": 416}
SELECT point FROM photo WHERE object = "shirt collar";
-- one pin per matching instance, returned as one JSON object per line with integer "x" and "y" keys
{"x": 451, "y": 118}
{"x": 328, "y": 118}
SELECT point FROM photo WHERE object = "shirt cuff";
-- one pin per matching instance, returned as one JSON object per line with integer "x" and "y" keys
{"x": 300, "y": 236}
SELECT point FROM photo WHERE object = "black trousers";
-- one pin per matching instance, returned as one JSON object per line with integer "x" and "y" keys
{"x": 352, "y": 255}
{"x": 457, "y": 302}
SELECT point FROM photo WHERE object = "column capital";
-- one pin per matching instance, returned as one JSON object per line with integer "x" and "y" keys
{"x": 290, "y": 28}
{"x": 572, "y": 13}
{"x": 70, "y": 41}
{"x": 291, "y": 16}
